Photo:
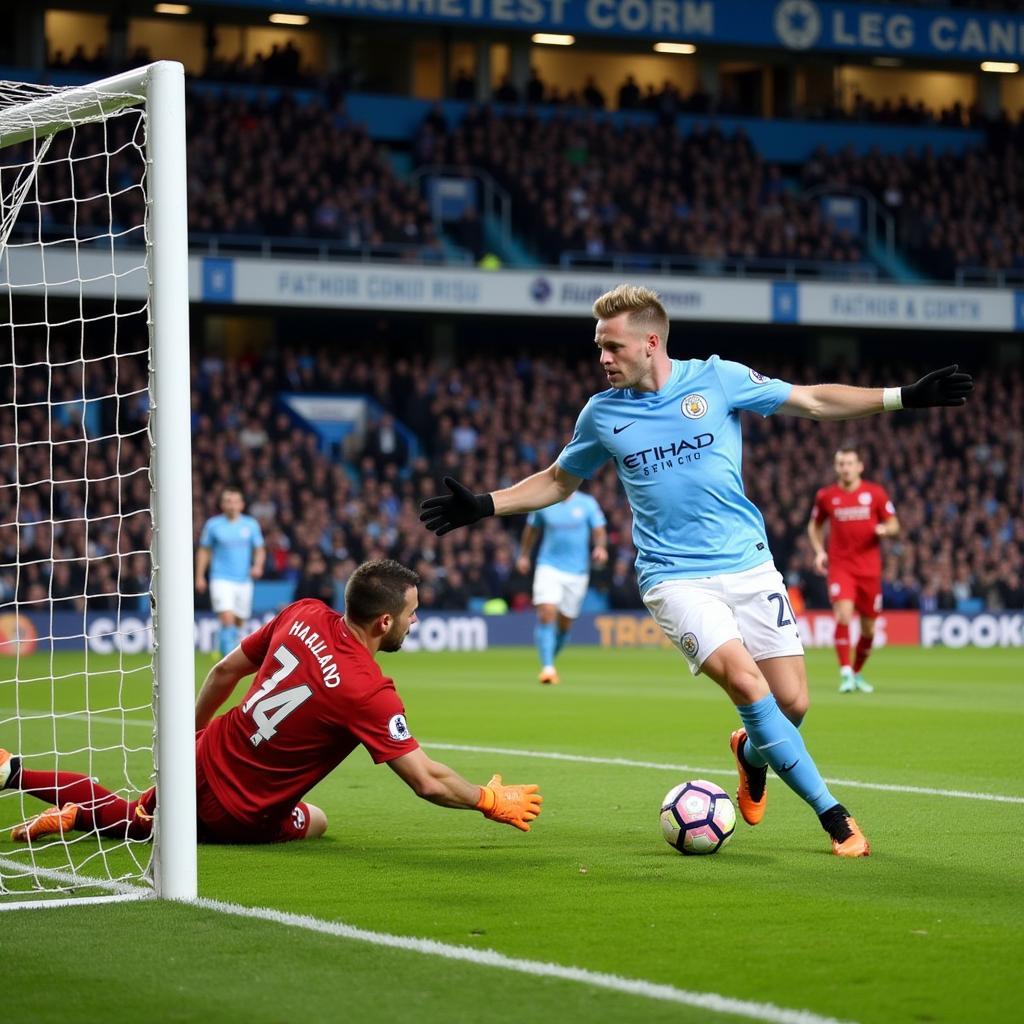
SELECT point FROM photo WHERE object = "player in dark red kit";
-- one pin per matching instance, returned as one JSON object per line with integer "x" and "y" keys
{"x": 317, "y": 695}
{"x": 859, "y": 514}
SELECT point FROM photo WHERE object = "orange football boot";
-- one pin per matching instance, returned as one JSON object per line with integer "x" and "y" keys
{"x": 548, "y": 676}
{"x": 59, "y": 820}
{"x": 752, "y": 793}
{"x": 847, "y": 838}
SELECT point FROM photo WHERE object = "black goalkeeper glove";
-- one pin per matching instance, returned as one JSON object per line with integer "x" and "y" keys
{"x": 943, "y": 387}
{"x": 448, "y": 512}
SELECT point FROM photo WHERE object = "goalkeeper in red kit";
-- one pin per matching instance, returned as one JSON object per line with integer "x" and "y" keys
{"x": 859, "y": 514}
{"x": 317, "y": 694}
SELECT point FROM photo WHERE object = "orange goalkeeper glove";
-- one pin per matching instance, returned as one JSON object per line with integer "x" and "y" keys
{"x": 513, "y": 805}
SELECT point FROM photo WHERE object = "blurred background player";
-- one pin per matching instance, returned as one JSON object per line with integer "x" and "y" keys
{"x": 231, "y": 546}
{"x": 859, "y": 514}
{"x": 573, "y": 537}
{"x": 296, "y": 724}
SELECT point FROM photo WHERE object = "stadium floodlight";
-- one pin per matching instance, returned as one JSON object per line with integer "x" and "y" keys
{"x": 95, "y": 475}
{"x": 289, "y": 19}
{"x": 674, "y": 48}
{"x": 1000, "y": 67}
{"x": 552, "y": 39}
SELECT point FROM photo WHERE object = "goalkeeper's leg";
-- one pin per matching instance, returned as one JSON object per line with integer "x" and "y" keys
{"x": 95, "y": 808}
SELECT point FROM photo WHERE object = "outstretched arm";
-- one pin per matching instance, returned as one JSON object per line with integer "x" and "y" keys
{"x": 461, "y": 507}
{"x": 548, "y": 487}
{"x": 945, "y": 387}
{"x": 431, "y": 780}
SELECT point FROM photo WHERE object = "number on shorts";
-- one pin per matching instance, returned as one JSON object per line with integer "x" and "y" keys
{"x": 282, "y": 704}
{"x": 784, "y": 605}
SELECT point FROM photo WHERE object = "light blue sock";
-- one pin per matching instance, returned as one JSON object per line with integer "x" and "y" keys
{"x": 778, "y": 741}
{"x": 544, "y": 635}
{"x": 560, "y": 637}
{"x": 228, "y": 639}
{"x": 754, "y": 757}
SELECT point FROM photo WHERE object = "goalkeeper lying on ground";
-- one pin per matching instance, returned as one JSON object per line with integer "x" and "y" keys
{"x": 318, "y": 694}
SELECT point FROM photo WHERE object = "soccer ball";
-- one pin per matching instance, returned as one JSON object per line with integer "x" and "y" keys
{"x": 697, "y": 817}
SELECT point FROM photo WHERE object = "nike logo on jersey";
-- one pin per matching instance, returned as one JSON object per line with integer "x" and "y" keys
{"x": 619, "y": 430}
{"x": 788, "y": 767}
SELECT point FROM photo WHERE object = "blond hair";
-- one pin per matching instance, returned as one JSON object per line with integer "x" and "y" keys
{"x": 642, "y": 305}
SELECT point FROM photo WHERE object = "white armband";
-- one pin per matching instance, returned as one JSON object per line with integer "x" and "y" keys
{"x": 892, "y": 399}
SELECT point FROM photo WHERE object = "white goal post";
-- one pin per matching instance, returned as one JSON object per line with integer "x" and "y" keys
{"x": 94, "y": 291}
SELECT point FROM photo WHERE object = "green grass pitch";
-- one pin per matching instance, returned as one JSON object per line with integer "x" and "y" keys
{"x": 929, "y": 928}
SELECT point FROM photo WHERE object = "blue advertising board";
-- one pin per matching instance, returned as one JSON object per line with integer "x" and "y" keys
{"x": 109, "y": 633}
{"x": 799, "y": 25}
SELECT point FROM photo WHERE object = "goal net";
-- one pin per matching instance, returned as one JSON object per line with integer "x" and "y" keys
{"x": 96, "y": 655}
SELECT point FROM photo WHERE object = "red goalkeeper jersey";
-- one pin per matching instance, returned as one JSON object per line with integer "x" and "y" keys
{"x": 853, "y": 545}
{"x": 318, "y": 694}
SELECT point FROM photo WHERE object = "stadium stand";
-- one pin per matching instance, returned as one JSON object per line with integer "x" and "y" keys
{"x": 954, "y": 212}
{"x": 958, "y": 484}
{"x": 282, "y": 168}
{"x": 642, "y": 189}
{"x": 590, "y": 189}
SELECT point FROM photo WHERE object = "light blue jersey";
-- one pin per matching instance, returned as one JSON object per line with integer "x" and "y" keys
{"x": 565, "y": 544}
{"x": 232, "y": 545}
{"x": 679, "y": 454}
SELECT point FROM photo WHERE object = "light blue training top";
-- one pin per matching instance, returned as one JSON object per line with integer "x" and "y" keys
{"x": 232, "y": 545}
{"x": 679, "y": 455}
{"x": 565, "y": 544}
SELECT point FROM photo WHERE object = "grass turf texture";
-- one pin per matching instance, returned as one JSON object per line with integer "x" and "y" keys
{"x": 929, "y": 928}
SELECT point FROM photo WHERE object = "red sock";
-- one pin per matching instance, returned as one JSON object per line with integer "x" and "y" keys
{"x": 863, "y": 650}
{"x": 843, "y": 645}
{"x": 98, "y": 809}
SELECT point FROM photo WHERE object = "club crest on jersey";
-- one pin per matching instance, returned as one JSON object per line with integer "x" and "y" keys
{"x": 694, "y": 406}
{"x": 864, "y": 497}
{"x": 689, "y": 644}
{"x": 397, "y": 729}
{"x": 759, "y": 378}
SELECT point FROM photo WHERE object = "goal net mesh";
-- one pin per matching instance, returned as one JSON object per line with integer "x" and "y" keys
{"x": 76, "y": 664}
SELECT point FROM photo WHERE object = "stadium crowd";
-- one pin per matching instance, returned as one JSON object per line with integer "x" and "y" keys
{"x": 586, "y": 185}
{"x": 281, "y": 168}
{"x": 75, "y": 518}
{"x": 952, "y": 211}
{"x": 957, "y": 479}
{"x": 582, "y": 185}
{"x": 668, "y": 101}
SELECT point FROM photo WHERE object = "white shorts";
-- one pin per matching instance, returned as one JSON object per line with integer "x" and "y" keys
{"x": 700, "y": 615}
{"x": 230, "y": 596}
{"x": 565, "y": 590}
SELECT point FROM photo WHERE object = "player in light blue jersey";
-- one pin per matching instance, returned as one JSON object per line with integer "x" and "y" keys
{"x": 705, "y": 571}
{"x": 231, "y": 546}
{"x": 573, "y": 537}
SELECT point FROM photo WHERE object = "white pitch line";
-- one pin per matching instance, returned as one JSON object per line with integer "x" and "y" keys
{"x": 710, "y": 1001}
{"x": 625, "y": 762}
{"x": 119, "y": 891}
